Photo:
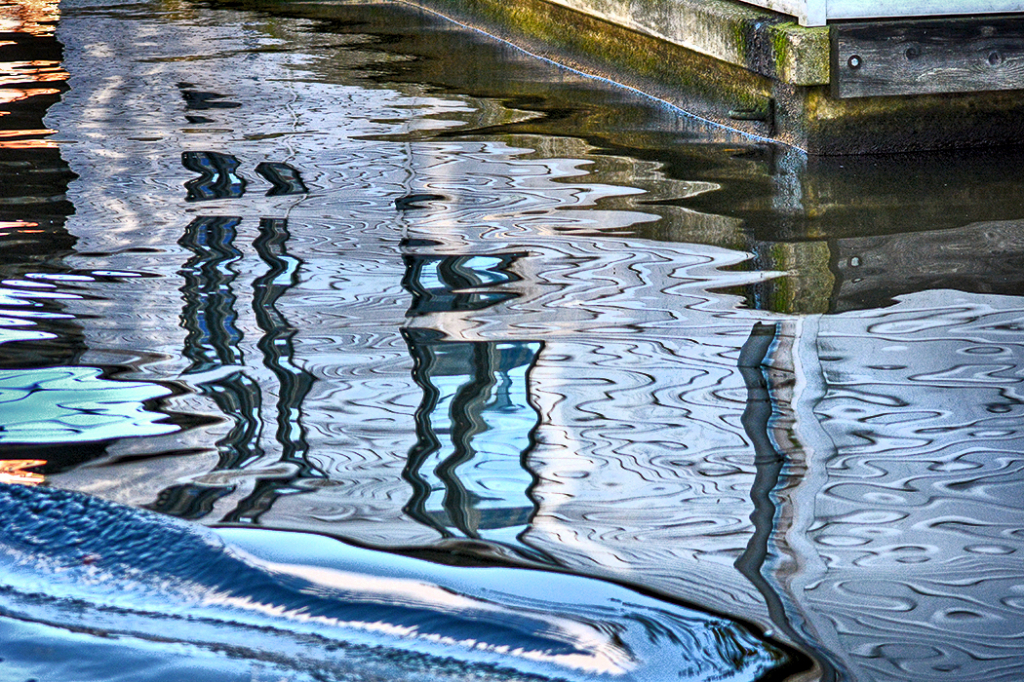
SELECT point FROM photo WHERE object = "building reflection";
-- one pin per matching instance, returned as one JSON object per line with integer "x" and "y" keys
{"x": 39, "y": 339}
{"x": 33, "y": 185}
{"x": 277, "y": 347}
{"x": 213, "y": 347}
{"x": 469, "y": 469}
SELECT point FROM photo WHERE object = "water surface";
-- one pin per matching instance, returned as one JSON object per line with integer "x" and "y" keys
{"x": 292, "y": 276}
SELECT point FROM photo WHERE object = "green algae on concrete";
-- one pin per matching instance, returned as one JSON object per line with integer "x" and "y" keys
{"x": 800, "y": 55}
{"x": 701, "y": 85}
{"x": 750, "y": 70}
{"x": 764, "y": 42}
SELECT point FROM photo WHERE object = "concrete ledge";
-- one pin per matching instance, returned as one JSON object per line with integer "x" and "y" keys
{"x": 751, "y": 70}
{"x": 766, "y": 43}
{"x": 707, "y": 87}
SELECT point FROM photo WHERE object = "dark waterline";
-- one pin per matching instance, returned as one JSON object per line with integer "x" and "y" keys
{"x": 355, "y": 271}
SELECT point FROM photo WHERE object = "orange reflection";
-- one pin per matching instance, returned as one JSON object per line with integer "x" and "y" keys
{"x": 38, "y": 71}
{"x": 13, "y": 471}
{"x": 26, "y": 139}
{"x": 28, "y": 144}
{"x": 8, "y": 95}
{"x": 26, "y": 133}
{"x": 4, "y": 134}
{"x": 35, "y": 17}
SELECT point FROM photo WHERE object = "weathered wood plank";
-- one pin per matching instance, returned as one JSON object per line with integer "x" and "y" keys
{"x": 975, "y": 54}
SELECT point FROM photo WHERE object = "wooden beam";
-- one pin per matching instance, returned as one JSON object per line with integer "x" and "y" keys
{"x": 934, "y": 56}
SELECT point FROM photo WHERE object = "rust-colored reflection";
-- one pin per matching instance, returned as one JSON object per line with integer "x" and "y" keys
{"x": 34, "y": 17}
{"x": 13, "y": 471}
{"x": 32, "y": 71}
{"x": 31, "y": 76}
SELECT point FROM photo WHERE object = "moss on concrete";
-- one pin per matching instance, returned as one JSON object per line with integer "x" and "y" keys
{"x": 782, "y": 74}
{"x": 732, "y": 32}
{"x": 800, "y": 54}
{"x": 706, "y": 87}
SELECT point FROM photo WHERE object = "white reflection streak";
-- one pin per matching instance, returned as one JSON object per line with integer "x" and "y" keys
{"x": 604, "y": 656}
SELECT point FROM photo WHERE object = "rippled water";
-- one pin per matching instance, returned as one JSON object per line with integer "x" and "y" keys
{"x": 437, "y": 361}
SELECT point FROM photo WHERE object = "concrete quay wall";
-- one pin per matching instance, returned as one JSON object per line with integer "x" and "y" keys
{"x": 920, "y": 85}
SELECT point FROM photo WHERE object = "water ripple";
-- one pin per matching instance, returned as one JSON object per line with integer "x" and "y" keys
{"x": 321, "y": 606}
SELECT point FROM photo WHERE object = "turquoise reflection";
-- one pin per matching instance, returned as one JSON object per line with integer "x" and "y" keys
{"x": 456, "y": 283}
{"x": 73, "y": 405}
{"x": 474, "y": 429}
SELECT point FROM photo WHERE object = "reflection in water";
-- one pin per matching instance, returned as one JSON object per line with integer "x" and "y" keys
{"x": 48, "y": 395}
{"x": 74, "y": 404}
{"x": 456, "y": 283}
{"x": 14, "y": 471}
{"x": 33, "y": 176}
{"x": 873, "y": 271}
{"x": 294, "y": 383}
{"x": 285, "y": 179}
{"x": 512, "y": 318}
{"x": 198, "y": 100}
{"x": 219, "y": 177}
{"x": 768, "y": 463}
{"x": 911, "y": 516}
{"x": 210, "y": 315}
{"x": 475, "y": 425}
{"x": 474, "y": 430}
{"x": 310, "y": 608}
{"x": 31, "y": 77}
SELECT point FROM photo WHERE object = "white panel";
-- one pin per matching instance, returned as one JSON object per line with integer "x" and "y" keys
{"x": 816, "y": 12}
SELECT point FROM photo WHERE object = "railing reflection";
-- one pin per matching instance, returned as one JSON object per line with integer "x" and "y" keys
{"x": 210, "y": 317}
{"x": 294, "y": 382}
{"x": 456, "y": 283}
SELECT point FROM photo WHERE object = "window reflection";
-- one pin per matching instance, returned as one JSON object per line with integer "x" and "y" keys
{"x": 210, "y": 316}
{"x": 475, "y": 425}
